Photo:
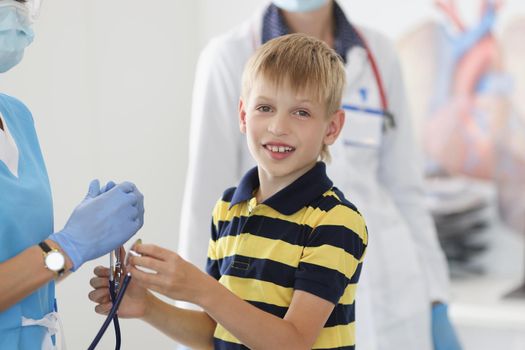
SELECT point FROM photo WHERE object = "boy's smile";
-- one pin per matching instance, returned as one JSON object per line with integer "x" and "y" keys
{"x": 285, "y": 130}
{"x": 279, "y": 150}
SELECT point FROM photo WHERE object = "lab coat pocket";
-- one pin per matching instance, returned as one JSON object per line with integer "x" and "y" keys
{"x": 362, "y": 129}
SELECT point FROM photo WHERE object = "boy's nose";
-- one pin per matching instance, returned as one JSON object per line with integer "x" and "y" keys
{"x": 278, "y": 124}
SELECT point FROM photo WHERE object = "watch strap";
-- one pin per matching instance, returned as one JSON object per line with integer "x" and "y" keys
{"x": 45, "y": 247}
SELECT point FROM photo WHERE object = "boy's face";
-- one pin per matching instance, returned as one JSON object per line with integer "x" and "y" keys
{"x": 286, "y": 130}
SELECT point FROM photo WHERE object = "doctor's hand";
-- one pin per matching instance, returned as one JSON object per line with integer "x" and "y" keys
{"x": 168, "y": 274}
{"x": 443, "y": 334}
{"x": 103, "y": 221}
{"x": 134, "y": 303}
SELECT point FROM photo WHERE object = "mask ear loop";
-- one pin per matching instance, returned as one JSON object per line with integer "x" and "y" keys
{"x": 112, "y": 313}
{"x": 34, "y": 7}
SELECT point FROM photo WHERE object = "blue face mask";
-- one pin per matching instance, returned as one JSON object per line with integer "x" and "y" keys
{"x": 15, "y": 35}
{"x": 299, "y": 5}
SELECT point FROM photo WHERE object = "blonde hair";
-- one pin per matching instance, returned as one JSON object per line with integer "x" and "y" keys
{"x": 306, "y": 63}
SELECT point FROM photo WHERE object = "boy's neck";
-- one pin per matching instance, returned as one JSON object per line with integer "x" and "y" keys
{"x": 270, "y": 185}
{"x": 319, "y": 23}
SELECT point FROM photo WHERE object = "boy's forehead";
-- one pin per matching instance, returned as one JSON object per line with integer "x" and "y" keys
{"x": 263, "y": 84}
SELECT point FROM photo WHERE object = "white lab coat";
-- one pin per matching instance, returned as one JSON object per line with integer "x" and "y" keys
{"x": 404, "y": 269}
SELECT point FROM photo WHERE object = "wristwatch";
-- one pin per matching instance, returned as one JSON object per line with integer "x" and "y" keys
{"x": 53, "y": 259}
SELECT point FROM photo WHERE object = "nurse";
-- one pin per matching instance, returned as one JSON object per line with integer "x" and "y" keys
{"x": 32, "y": 255}
{"x": 401, "y": 300}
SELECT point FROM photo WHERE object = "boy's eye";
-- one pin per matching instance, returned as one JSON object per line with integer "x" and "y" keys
{"x": 264, "y": 109}
{"x": 302, "y": 113}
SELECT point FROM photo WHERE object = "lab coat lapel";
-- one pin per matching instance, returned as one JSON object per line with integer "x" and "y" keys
{"x": 361, "y": 86}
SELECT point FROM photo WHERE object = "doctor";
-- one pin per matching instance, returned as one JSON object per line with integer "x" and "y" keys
{"x": 401, "y": 303}
{"x": 32, "y": 255}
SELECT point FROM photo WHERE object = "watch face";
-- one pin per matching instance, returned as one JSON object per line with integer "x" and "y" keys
{"x": 55, "y": 261}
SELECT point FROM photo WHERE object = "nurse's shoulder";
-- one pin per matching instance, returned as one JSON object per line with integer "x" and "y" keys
{"x": 11, "y": 108}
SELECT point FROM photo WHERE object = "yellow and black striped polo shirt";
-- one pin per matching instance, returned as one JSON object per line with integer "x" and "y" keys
{"x": 305, "y": 237}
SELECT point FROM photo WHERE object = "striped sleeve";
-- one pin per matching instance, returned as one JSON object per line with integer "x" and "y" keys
{"x": 333, "y": 254}
{"x": 212, "y": 263}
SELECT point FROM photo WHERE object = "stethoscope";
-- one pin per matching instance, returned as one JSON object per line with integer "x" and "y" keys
{"x": 384, "y": 111}
{"x": 116, "y": 291}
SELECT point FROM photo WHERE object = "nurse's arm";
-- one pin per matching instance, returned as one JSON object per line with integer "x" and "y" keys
{"x": 25, "y": 273}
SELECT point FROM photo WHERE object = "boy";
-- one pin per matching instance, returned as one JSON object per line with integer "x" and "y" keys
{"x": 286, "y": 247}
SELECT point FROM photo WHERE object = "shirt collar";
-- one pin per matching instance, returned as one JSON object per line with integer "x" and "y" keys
{"x": 346, "y": 35}
{"x": 293, "y": 197}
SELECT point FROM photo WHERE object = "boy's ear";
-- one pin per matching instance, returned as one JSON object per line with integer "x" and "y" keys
{"x": 337, "y": 121}
{"x": 242, "y": 116}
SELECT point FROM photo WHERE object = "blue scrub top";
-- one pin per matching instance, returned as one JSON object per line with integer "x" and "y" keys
{"x": 26, "y": 218}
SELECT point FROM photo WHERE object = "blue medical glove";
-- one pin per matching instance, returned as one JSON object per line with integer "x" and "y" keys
{"x": 103, "y": 221}
{"x": 111, "y": 184}
{"x": 443, "y": 334}
{"x": 107, "y": 187}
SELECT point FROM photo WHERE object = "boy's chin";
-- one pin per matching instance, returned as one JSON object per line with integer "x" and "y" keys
{"x": 286, "y": 169}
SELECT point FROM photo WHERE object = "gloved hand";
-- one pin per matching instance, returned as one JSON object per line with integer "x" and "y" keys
{"x": 107, "y": 186}
{"x": 443, "y": 334}
{"x": 103, "y": 221}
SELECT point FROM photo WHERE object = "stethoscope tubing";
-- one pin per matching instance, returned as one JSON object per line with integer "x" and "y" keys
{"x": 112, "y": 313}
{"x": 112, "y": 291}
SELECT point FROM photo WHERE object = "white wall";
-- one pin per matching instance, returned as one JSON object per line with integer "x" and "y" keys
{"x": 109, "y": 84}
